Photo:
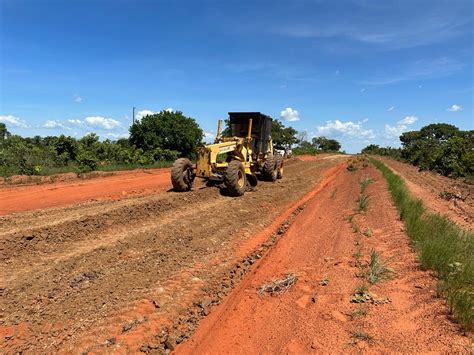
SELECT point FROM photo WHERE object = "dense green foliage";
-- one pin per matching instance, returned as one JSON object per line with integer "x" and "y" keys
{"x": 441, "y": 147}
{"x": 317, "y": 145}
{"x": 387, "y": 151}
{"x": 443, "y": 247}
{"x": 170, "y": 131}
{"x": 283, "y": 137}
{"x": 49, "y": 155}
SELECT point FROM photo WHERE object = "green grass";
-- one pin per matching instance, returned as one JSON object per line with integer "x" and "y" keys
{"x": 364, "y": 183}
{"x": 376, "y": 270}
{"x": 362, "y": 203}
{"x": 442, "y": 246}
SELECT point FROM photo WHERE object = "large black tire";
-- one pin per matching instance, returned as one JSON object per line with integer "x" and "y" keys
{"x": 182, "y": 175}
{"x": 280, "y": 162}
{"x": 235, "y": 179}
{"x": 270, "y": 168}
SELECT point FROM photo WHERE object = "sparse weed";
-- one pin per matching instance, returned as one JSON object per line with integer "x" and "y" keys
{"x": 351, "y": 167}
{"x": 364, "y": 183}
{"x": 362, "y": 336}
{"x": 357, "y": 255}
{"x": 333, "y": 194}
{"x": 360, "y": 311}
{"x": 355, "y": 227}
{"x": 368, "y": 233}
{"x": 349, "y": 217}
{"x": 362, "y": 203}
{"x": 377, "y": 270}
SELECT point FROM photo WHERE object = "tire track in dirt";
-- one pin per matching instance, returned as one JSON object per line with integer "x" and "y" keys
{"x": 317, "y": 316}
{"x": 131, "y": 256}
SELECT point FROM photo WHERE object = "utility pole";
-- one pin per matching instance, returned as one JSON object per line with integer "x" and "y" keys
{"x": 133, "y": 115}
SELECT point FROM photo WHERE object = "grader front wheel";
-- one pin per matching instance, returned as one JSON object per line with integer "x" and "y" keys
{"x": 182, "y": 175}
{"x": 235, "y": 179}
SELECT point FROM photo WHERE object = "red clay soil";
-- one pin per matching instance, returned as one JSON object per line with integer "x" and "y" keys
{"x": 31, "y": 197}
{"x": 451, "y": 197}
{"x": 119, "y": 276}
{"x": 329, "y": 254}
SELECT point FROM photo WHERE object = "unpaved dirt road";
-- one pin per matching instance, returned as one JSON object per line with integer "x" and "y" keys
{"x": 117, "y": 274}
{"x": 142, "y": 273}
{"x": 32, "y": 197}
{"x": 318, "y": 314}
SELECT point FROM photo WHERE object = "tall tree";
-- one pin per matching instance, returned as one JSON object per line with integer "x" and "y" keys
{"x": 167, "y": 130}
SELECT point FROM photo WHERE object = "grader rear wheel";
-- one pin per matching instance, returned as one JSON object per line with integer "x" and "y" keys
{"x": 182, "y": 175}
{"x": 280, "y": 163}
{"x": 235, "y": 179}
{"x": 270, "y": 168}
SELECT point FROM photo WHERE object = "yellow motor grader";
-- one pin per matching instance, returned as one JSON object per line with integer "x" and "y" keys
{"x": 237, "y": 160}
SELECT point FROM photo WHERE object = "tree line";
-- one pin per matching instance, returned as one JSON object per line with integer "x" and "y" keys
{"x": 155, "y": 140}
{"x": 440, "y": 147}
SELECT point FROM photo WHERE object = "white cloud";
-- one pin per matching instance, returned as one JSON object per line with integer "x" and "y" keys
{"x": 169, "y": 109}
{"x": 77, "y": 98}
{"x": 408, "y": 120}
{"x": 140, "y": 114}
{"x": 391, "y": 108}
{"x": 455, "y": 108}
{"x": 394, "y": 131}
{"x": 14, "y": 121}
{"x": 54, "y": 124}
{"x": 99, "y": 121}
{"x": 290, "y": 115}
{"x": 116, "y": 135}
{"x": 349, "y": 128}
{"x": 402, "y": 125}
{"x": 209, "y": 137}
{"x": 76, "y": 122}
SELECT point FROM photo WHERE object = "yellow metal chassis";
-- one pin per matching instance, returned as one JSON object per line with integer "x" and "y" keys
{"x": 207, "y": 165}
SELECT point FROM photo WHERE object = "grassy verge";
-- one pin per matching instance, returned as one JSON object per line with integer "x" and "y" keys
{"x": 442, "y": 246}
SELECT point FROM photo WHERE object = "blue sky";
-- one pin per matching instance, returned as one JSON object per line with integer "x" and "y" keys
{"x": 359, "y": 71}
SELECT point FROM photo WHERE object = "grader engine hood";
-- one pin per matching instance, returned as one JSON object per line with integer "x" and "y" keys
{"x": 207, "y": 157}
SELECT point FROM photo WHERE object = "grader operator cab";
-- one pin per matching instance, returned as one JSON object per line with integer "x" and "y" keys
{"x": 237, "y": 160}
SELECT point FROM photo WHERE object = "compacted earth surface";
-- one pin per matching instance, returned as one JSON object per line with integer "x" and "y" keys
{"x": 121, "y": 274}
{"x": 194, "y": 272}
{"x": 65, "y": 189}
